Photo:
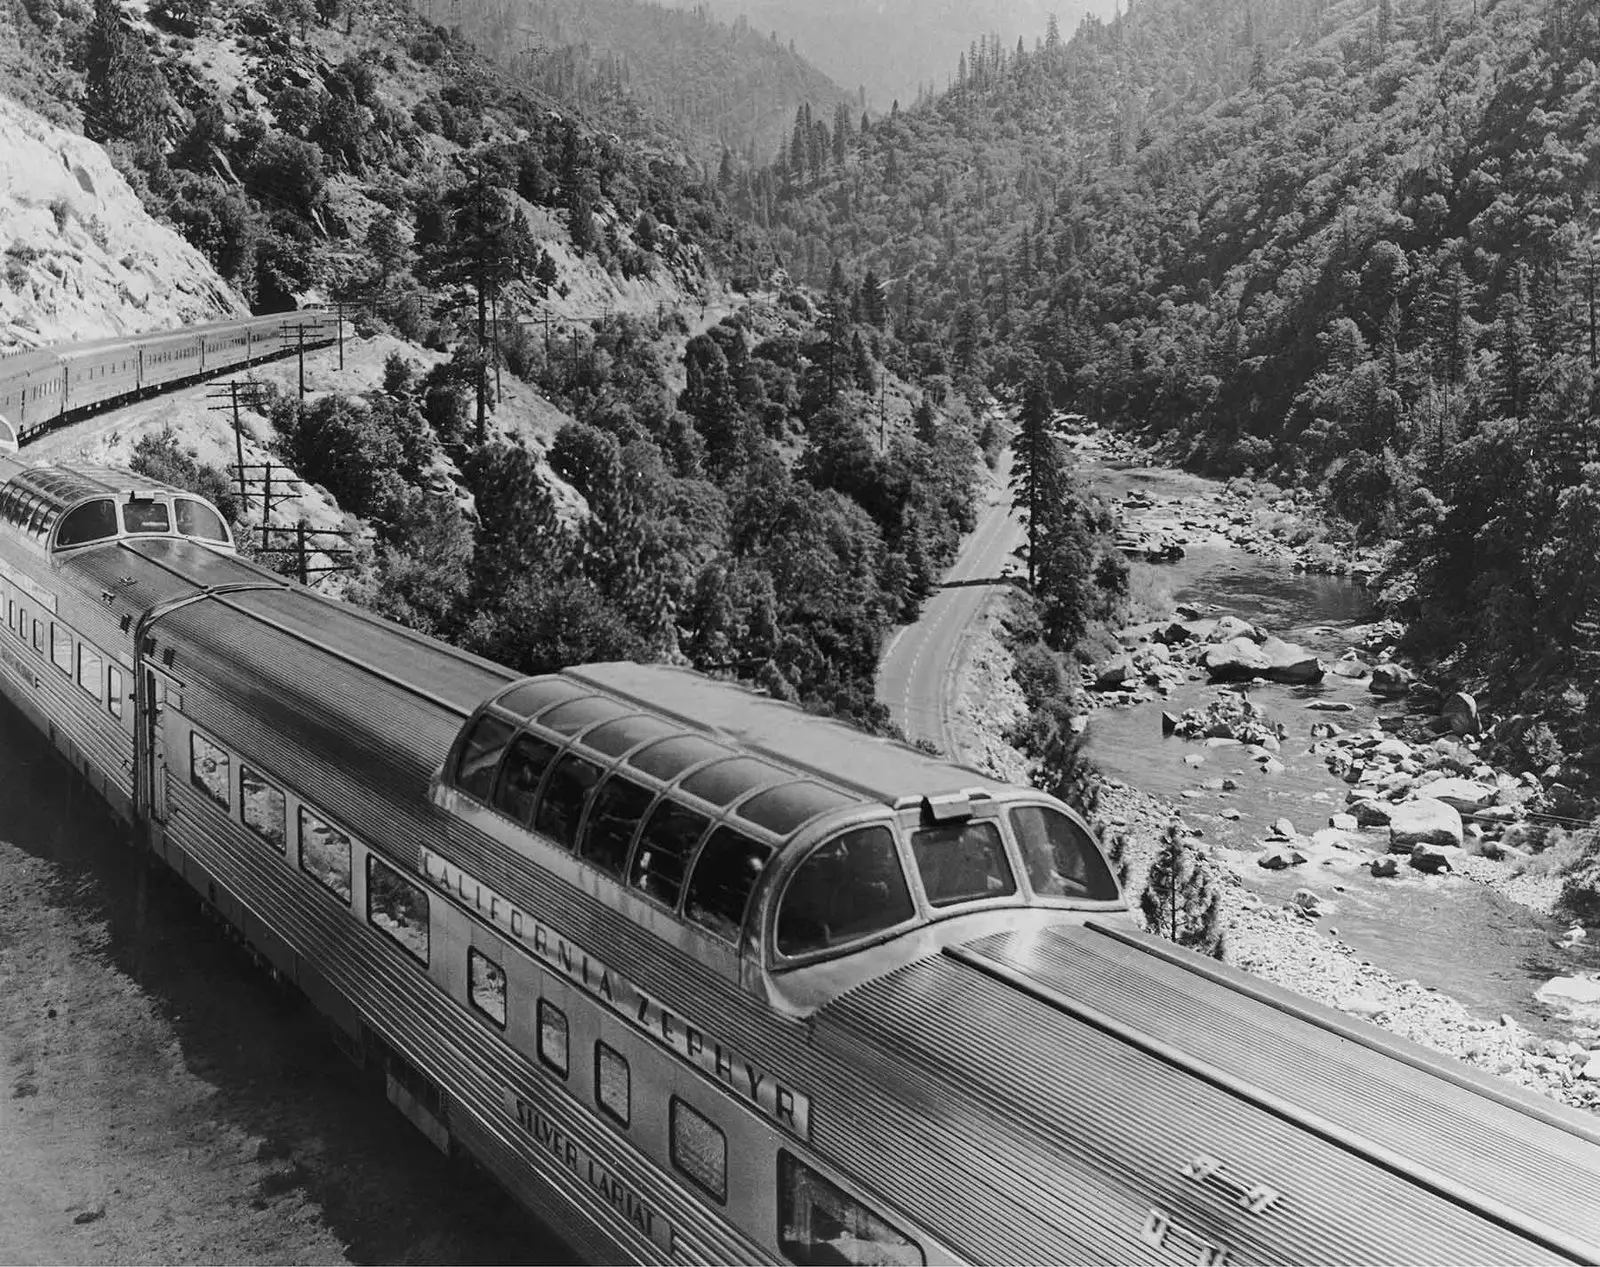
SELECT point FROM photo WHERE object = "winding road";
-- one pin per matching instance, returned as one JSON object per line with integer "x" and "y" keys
{"x": 918, "y": 674}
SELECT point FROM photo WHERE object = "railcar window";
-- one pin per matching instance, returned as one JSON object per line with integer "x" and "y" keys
{"x": 849, "y": 888}
{"x": 665, "y": 847}
{"x": 40, "y": 518}
{"x": 821, "y": 1225}
{"x": 397, "y": 906}
{"x": 146, "y": 517}
{"x": 60, "y": 648}
{"x": 962, "y": 862}
{"x": 616, "y": 737}
{"x": 608, "y": 831}
{"x": 613, "y": 1083}
{"x": 89, "y": 667}
{"x": 553, "y": 1036}
{"x": 208, "y": 768}
{"x": 725, "y": 781}
{"x": 1062, "y": 859}
{"x": 196, "y": 519}
{"x": 528, "y": 698}
{"x": 116, "y": 688}
{"x": 93, "y": 521}
{"x": 568, "y": 719}
{"x": 700, "y": 1149}
{"x": 325, "y": 855}
{"x": 486, "y": 986}
{"x": 723, "y": 878}
{"x": 480, "y": 757}
{"x": 561, "y": 806}
{"x": 11, "y": 615}
{"x": 265, "y": 810}
{"x": 671, "y": 757}
{"x": 782, "y": 810}
{"x": 519, "y": 780}
{"x": 38, "y": 636}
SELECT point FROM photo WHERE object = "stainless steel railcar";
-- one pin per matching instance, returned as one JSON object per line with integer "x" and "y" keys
{"x": 39, "y": 388}
{"x": 699, "y": 977}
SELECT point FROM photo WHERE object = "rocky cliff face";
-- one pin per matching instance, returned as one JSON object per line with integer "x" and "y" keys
{"x": 79, "y": 256}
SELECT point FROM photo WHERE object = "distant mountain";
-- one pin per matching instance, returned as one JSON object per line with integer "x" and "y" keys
{"x": 893, "y": 47}
{"x": 717, "y": 85}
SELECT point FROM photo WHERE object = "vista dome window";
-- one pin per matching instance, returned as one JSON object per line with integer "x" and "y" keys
{"x": 848, "y": 889}
{"x": 197, "y": 520}
{"x": 92, "y": 521}
{"x": 143, "y": 517}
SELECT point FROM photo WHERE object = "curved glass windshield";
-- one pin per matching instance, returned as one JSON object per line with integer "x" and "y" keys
{"x": 141, "y": 517}
{"x": 849, "y": 888}
{"x": 196, "y": 519}
{"x": 962, "y": 862}
{"x": 1062, "y": 859}
{"x": 93, "y": 521}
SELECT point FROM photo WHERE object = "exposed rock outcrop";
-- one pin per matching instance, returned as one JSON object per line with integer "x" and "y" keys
{"x": 83, "y": 259}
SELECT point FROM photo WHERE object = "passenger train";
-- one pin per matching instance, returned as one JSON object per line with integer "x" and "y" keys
{"x": 39, "y": 388}
{"x": 699, "y": 977}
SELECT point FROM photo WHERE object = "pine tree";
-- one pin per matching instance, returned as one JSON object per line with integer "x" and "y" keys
{"x": 874, "y": 306}
{"x": 124, "y": 95}
{"x": 1038, "y": 474}
{"x": 1180, "y": 900}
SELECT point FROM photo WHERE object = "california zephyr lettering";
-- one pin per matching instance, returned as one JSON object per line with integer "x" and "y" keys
{"x": 780, "y": 1104}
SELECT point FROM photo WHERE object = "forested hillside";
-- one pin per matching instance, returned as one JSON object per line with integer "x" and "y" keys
{"x": 1347, "y": 244}
{"x": 641, "y": 66}
{"x": 759, "y": 496}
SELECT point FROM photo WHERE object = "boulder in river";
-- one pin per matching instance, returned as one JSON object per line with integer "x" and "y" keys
{"x": 1236, "y": 660}
{"x": 1460, "y": 710}
{"x": 1390, "y": 680}
{"x": 1431, "y": 858}
{"x": 1350, "y": 669}
{"x": 1228, "y": 628}
{"x": 1281, "y": 858}
{"x": 1307, "y": 901}
{"x": 1465, "y": 795}
{"x": 1291, "y": 664}
{"x": 1330, "y": 706}
{"x": 1114, "y": 674}
{"x": 1423, "y": 821}
{"x": 1384, "y": 867}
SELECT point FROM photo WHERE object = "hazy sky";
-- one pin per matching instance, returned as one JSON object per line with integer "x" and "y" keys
{"x": 890, "y": 46}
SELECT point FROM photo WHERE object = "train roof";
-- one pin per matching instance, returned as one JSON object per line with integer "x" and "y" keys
{"x": 862, "y": 765}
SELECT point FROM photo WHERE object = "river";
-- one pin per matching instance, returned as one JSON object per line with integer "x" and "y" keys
{"x": 1450, "y": 933}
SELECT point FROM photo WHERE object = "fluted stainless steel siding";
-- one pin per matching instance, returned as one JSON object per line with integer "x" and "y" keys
{"x": 1094, "y": 1131}
{"x": 1538, "y": 1167}
{"x": 402, "y": 1003}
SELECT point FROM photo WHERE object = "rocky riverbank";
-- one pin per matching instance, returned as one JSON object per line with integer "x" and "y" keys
{"x": 1290, "y": 942}
{"x": 1259, "y": 519}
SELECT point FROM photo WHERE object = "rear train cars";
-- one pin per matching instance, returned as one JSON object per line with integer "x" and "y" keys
{"x": 700, "y": 977}
{"x": 39, "y": 388}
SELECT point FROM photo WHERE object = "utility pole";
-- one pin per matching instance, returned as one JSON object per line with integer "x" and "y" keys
{"x": 300, "y": 341}
{"x": 235, "y": 395}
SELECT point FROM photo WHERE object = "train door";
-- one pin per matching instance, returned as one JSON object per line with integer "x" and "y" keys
{"x": 156, "y": 692}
